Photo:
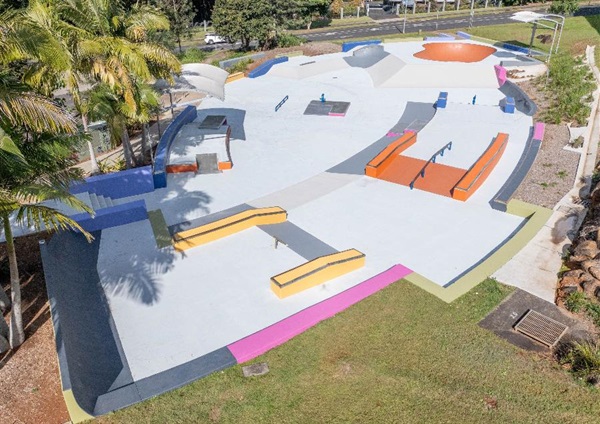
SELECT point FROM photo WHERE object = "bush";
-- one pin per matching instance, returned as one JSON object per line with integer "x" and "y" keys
{"x": 584, "y": 359}
{"x": 288, "y": 40}
{"x": 569, "y": 86}
{"x": 240, "y": 66}
{"x": 193, "y": 55}
{"x": 576, "y": 302}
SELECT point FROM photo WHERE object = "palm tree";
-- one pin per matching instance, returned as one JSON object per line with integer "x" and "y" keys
{"x": 106, "y": 43}
{"x": 31, "y": 169}
{"x": 32, "y": 172}
{"x": 107, "y": 105}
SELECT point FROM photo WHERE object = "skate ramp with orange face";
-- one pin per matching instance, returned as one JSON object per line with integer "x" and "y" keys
{"x": 439, "y": 179}
{"x": 455, "y": 52}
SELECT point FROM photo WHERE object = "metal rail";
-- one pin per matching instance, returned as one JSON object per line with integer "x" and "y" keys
{"x": 431, "y": 160}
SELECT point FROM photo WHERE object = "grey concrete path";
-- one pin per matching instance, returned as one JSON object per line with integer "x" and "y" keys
{"x": 415, "y": 117}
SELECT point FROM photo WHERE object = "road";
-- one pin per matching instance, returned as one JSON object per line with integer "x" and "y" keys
{"x": 441, "y": 24}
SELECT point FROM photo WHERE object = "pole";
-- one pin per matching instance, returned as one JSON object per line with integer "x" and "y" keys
{"x": 171, "y": 100}
{"x": 444, "y": 6}
{"x": 471, "y": 15}
{"x": 404, "y": 23}
{"x": 560, "y": 33}
{"x": 358, "y": 11}
{"x": 428, "y": 7}
{"x": 533, "y": 37}
{"x": 414, "y": 6}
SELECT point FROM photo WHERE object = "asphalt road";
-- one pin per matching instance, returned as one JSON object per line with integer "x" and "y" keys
{"x": 433, "y": 24}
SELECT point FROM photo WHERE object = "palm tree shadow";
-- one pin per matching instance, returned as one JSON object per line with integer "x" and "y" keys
{"x": 139, "y": 277}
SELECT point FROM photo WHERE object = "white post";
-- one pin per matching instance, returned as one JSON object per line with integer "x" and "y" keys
{"x": 457, "y": 4}
{"x": 404, "y": 23}
{"x": 342, "y": 13}
{"x": 205, "y": 25}
{"x": 428, "y": 7}
{"x": 414, "y": 6}
{"x": 444, "y": 6}
{"x": 397, "y": 8}
{"x": 358, "y": 11}
{"x": 367, "y": 9}
{"x": 486, "y": 3}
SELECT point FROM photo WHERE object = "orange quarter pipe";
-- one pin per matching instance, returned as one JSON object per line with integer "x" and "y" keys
{"x": 455, "y": 52}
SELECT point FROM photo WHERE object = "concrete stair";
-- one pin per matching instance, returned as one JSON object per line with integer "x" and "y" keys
{"x": 100, "y": 202}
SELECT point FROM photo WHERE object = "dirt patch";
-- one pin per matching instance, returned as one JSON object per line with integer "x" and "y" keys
{"x": 29, "y": 377}
{"x": 553, "y": 172}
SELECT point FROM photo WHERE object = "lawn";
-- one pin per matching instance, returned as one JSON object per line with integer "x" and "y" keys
{"x": 402, "y": 356}
{"x": 579, "y": 32}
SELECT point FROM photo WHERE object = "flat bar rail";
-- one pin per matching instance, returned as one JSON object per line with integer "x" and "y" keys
{"x": 421, "y": 173}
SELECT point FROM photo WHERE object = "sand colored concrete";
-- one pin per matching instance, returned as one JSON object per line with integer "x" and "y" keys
{"x": 455, "y": 52}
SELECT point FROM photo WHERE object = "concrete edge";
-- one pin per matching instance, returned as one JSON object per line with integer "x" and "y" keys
{"x": 536, "y": 216}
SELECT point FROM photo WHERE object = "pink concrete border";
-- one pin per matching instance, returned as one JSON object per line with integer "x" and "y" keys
{"x": 500, "y": 74}
{"x": 538, "y": 131}
{"x": 336, "y": 114}
{"x": 258, "y": 343}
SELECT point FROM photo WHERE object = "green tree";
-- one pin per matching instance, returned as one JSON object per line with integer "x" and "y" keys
{"x": 181, "y": 15}
{"x": 564, "y": 7}
{"x": 245, "y": 21}
{"x": 33, "y": 157}
{"x": 299, "y": 13}
{"x": 105, "y": 44}
{"x": 108, "y": 105}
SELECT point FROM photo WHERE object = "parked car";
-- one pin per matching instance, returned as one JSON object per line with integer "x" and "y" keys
{"x": 211, "y": 38}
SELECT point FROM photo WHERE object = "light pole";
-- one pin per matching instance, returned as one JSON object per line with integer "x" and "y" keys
{"x": 471, "y": 14}
{"x": 404, "y": 23}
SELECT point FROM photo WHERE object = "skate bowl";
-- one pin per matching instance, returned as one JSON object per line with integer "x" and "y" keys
{"x": 455, "y": 52}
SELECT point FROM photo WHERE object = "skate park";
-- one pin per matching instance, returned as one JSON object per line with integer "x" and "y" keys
{"x": 313, "y": 183}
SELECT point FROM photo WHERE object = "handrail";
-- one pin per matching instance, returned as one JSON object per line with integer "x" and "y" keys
{"x": 431, "y": 159}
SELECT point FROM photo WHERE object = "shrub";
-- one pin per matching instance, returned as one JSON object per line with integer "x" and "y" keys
{"x": 288, "y": 40}
{"x": 576, "y": 302}
{"x": 584, "y": 359}
{"x": 240, "y": 66}
{"x": 193, "y": 55}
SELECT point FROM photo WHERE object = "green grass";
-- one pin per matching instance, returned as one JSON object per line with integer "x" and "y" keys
{"x": 401, "y": 355}
{"x": 579, "y": 32}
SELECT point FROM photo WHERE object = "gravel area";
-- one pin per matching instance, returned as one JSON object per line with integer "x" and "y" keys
{"x": 553, "y": 172}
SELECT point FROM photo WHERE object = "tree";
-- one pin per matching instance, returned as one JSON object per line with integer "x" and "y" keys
{"x": 299, "y": 13}
{"x": 31, "y": 169}
{"x": 181, "y": 15}
{"x": 106, "y": 104}
{"x": 105, "y": 44}
{"x": 245, "y": 20}
{"x": 24, "y": 185}
{"x": 564, "y": 7}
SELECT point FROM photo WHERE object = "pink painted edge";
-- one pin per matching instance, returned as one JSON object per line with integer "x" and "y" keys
{"x": 258, "y": 343}
{"x": 538, "y": 131}
{"x": 500, "y": 74}
{"x": 336, "y": 114}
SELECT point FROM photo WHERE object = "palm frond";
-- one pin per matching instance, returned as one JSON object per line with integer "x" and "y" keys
{"x": 23, "y": 108}
{"x": 40, "y": 216}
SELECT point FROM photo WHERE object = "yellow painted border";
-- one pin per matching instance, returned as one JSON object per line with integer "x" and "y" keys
{"x": 536, "y": 216}
{"x": 76, "y": 413}
{"x": 235, "y": 77}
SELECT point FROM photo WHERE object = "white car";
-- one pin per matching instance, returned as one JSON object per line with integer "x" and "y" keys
{"x": 214, "y": 38}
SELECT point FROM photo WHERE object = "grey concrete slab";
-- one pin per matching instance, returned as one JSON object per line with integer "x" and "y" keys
{"x": 186, "y": 225}
{"x": 300, "y": 241}
{"x": 213, "y": 122}
{"x": 415, "y": 117}
{"x": 85, "y": 333}
{"x": 501, "y": 199}
{"x": 502, "y": 319}
{"x": 185, "y": 373}
{"x": 504, "y": 54}
{"x": 367, "y": 56}
{"x": 235, "y": 119}
{"x": 522, "y": 101}
{"x": 208, "y": 163}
